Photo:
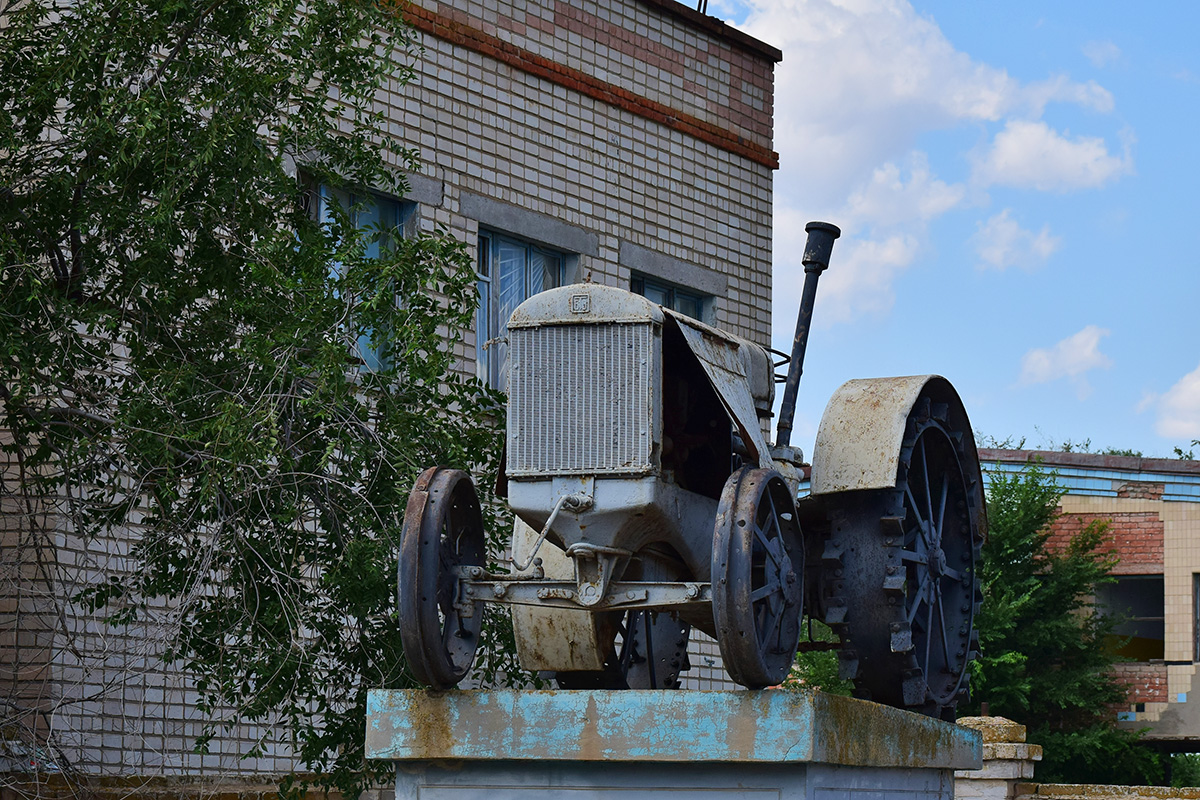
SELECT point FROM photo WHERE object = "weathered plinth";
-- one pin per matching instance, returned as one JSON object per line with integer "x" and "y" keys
{"x": 603, "y": 745}
{"x": 1008, "y": 760}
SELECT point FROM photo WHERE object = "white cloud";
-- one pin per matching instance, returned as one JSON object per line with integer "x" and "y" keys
{"x": 1101, "y": 53}
{"x": 1179, "y": 408}
{"x": 862, "y": 283}
{"x": 860, "y": 83}
{"x": 1031, "y": 155}
{"x": 1148, "y": 400}
{"x": 862, "y": 79}
{"x": 883, "y": 224}
{"x": 887, "y": 199}
{"x": 1002, "y": 243}
{"x": 1061, "y": 89}
{"x": 858, "y": 282}
{"x": 1071, "y": 358}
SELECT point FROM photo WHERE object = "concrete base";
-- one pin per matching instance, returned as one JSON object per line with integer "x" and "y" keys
{"x": 520, "y": 780}
{"x": 604, "y": 745}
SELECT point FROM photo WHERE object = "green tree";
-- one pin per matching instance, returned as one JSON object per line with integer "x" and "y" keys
{"x": 816, "y": 667}
{"x": 1046, "y": 659}
{"x": 177, "y": 335}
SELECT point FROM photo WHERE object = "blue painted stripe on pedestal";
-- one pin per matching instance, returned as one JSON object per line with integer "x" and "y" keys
{"x": 676, "y": 726}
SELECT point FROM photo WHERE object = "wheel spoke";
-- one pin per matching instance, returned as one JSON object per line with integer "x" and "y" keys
{"x": 446, "y": 557}
{"x": 771, "y": 620}
{"x": 941, "y": 609}
{"x": 779, "y": 620}
{"x": 928, "y": 639}
{"x": 925, "y": 473}
{"x": 916, "y": 558}
{"x": 941, "y": 515}
{"x": 921, "y": 525}
{"x": 953, "y": 574}
{"x": 769, "y": 545}
{"x": 764, "y": 591}
{"x": 773, "y": 513}
{"x": 920, "y": 598}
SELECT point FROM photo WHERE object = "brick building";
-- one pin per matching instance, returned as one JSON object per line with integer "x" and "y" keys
{"x": 628, "y": 142}
{"x": 1153, "y": 510}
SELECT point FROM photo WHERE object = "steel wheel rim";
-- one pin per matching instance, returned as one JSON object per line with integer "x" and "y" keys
{"x": 757, "y": 572}
{"x": 938, "y": 553}
{"x": 443, "y": 532}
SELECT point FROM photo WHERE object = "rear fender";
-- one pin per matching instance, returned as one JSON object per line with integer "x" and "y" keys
{"x": 858, "y": 443}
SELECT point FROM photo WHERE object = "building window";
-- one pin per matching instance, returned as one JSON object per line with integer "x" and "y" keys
{"x": 509, "y": 271}
{"x": 1196, "y": 617}
{"x": 676, "y": 298}
{"x": 1137, "y": 602}
{"x": 384, "y": 218}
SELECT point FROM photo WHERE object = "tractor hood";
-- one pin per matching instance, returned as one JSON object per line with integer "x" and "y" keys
{"x": 583, "y": 304}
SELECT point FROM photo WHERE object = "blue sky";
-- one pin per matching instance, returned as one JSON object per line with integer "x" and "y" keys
{"x": 1018, "y": 186}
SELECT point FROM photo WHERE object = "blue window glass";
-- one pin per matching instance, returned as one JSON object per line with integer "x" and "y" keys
{"x": 384, "y": 217}
{"x": 676, "y": 298}
{"x": 509, "y": 271}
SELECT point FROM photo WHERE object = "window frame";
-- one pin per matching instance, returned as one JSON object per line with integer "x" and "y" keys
{"x": 673, "y": 292}
{"x": 491, "y": 332}
{"x": 402, "y": 218}
{"x": 1128, "y": 598}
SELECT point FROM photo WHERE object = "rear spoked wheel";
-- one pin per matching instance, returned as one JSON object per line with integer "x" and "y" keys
{"x": 938, "y": 556}
{"x": 442, "y": 533}
{"x": 899, "y": 584}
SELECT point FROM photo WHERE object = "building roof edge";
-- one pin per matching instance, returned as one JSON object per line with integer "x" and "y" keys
{"x": 717, "y": 28}
{"x": 1055, "y": 458}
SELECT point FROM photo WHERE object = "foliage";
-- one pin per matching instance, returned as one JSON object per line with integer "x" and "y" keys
{"x": 1099, "y": 753}
{"x": 177, "y": 335}
{"x": 1187, "y": 455}
{"x": 1085, "y": 446}
{"x": 1185, "y": 769}
{"x": 818, "y": 669}
{"x": 1044, "y": 660}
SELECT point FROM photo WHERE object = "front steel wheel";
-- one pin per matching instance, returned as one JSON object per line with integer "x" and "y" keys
{"x": 757, "y": 576}
{"x": 443, "y": 532}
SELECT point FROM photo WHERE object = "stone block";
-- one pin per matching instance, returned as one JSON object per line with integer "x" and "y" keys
{"x": 995, "y": 729}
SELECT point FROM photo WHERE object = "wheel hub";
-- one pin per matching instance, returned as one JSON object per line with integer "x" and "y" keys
{"x": 937, "y": 562}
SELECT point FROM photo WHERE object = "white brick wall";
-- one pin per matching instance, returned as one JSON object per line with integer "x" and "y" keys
{"x": 492, "y": 130}
{"x": 509, "y": 133}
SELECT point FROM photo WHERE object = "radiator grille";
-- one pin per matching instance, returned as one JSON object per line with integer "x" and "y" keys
{"x": 580, "y": 400}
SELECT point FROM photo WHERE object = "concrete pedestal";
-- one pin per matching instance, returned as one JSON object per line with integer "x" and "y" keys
{"x": 604, "y": 745}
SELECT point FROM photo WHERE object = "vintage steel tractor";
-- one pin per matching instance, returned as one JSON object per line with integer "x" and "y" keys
{"x": 648, "y": 501}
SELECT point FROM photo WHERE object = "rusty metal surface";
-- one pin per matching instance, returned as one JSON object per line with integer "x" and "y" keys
{"x": 584, "y": 303}
{"x": 858, "y": 442}
{"x": 758, "y": 571}
{"x": 553, "y": 639}
{"x": 765, "y": 727}
{"x": 719, "y": 355}
{"x": 439, "y": 635}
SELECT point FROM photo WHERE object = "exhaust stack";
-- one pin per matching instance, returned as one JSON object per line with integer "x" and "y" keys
{"x": 816, "y": 260}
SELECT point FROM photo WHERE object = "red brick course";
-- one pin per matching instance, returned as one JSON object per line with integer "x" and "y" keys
{"x": 1139, "y": 490}
{"x": 452, "y": 26}
{"x": 1147, "y": 681}
{"x": 1137, "y": 537}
